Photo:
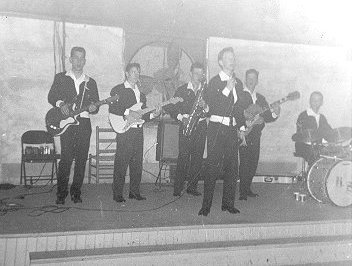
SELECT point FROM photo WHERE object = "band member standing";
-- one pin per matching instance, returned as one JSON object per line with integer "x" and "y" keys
{"x": 312, "y": 128}
{"x": 74, "y": 87}
{"x": 226, "y": 117}
{"x": 129, "y": 145}
{"x": 249, "y": 153}
{"x": 191, "y": 148}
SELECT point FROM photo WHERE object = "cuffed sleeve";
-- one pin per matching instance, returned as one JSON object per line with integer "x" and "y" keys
{"x": 58, "y": 103}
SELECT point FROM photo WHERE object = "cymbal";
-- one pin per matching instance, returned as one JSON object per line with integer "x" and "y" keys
{"x": 341, "y": 134}
{"x": 307, "y": 135}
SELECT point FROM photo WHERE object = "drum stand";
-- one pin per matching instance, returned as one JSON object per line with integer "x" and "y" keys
{"x": 302, "y": 175}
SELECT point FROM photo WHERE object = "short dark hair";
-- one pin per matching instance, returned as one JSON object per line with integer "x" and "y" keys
{"x": 131, "y": 65}
{"x": 197, "y": 65}
{"x": 317, "y": 93}
{"x": 78, "y": 49}
{"x": 252, "y": 70}
{"x": 225, "y": 50}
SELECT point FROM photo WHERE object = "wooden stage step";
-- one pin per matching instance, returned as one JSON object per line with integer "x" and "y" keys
{"x": 251, "y": 252}
{"x": 317, "y": 241}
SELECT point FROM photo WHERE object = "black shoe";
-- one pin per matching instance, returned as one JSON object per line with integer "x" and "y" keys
{"x": 76, "y": 198}
{"x": 177, "y": 194}
{"x": 60, "y": 201}
{"x": 194, "y": 192}
{"x": 119, "y": 199}
{"x": 243, "y": 197}
{"x": 136, "y": 196}
{"x": 252, "y": 195}
{"x": 232, "y": 210}
{"x": 204, "y": 211}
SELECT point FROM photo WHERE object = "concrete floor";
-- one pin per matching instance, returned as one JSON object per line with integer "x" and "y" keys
{"x": 37, "y": 212}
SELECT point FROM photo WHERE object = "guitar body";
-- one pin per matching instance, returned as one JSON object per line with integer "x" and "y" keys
{"x": 121, "y": 125}
{"x": 252, "y": 115}
{"x": 57, "y": 123}
{"x": 254, "y": 111}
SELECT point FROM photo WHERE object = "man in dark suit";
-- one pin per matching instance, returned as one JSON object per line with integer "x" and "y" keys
{"x": 226, "y": 117}
{"x": 312, "y": 128}
{"x": 129, "y": 144}
{"x": 191, "y": 148}
{"x": 71, "y": 90}
{"x": 249, "y": 152}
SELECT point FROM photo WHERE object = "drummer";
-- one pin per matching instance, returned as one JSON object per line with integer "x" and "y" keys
{"x": 312, "y": 129}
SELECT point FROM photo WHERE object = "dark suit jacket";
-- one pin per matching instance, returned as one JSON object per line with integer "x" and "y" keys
{"x": 126, "y": 100}
{"x": 184, "y": 107}
{"x": 221, "y": 105}
{"x": 267, "y": 115}
{"x": 306, "y": 122}
{"x": 63, "y": 88}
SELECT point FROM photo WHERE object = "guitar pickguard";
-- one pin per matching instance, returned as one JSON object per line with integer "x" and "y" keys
{"x": 68, "y": 122}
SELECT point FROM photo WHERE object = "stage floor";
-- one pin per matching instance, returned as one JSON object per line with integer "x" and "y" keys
{"x": 37, "y": 212}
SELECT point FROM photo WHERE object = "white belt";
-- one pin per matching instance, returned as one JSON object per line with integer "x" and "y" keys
{"x": 222, "y": 119}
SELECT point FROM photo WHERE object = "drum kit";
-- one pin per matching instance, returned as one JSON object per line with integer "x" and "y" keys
{"x": 329, "y": 179}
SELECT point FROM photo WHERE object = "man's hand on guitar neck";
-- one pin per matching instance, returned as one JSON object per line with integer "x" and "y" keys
{"x": 275, "y": 108}
{"x": 156, "y": 112}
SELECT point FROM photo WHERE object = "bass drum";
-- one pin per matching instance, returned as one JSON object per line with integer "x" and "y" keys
{"x": 330, "y": 181}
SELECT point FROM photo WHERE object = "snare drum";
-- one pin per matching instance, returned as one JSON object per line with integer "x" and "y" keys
{"x": 330, "y": 181}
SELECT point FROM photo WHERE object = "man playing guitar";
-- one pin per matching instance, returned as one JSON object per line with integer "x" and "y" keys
{"x": 74, "y": 89}
{"x": 249, "y": 152}
{"x": 129, "y": 140}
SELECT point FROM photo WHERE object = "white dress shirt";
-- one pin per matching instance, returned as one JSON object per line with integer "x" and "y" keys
{"x": 310, "y": 112}
{"x": 78, "y": 82}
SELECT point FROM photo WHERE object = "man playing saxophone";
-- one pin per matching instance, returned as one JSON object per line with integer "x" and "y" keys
{"x": 191, "y": 114}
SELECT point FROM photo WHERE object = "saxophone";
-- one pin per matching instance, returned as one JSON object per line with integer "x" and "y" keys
{"x": 196, "y": 113}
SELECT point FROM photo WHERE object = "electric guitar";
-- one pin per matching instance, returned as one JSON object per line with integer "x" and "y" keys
{"x": 121, "y": 124}
{"x": 253, "y": 112}
{"x": 57, "y": 123}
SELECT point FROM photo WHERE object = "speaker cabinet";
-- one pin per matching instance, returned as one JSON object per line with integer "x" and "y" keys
{"x": 167, "y": 137}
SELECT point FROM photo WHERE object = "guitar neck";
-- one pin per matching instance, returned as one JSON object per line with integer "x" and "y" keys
{"x": 150, "y": 109}
{"x": 281, "y": 101}
{"x": 86, "y": 108}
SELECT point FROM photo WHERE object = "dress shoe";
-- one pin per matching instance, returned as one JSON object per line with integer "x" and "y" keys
{"x": 194, "y": 192}
{"x": 252, "y": 195}
{"x": 242, "y": 197}
{"x": 60, "y": 201}
{"x": 204, "y": 211}
{"x": 232, "y": 210}
{"x": 76, "y": 199}
{"x": 119, "y": 199}
{"x": 136, "y": 196}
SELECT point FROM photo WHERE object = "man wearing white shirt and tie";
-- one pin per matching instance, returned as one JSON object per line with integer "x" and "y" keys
{"x": 223, "y": 96}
